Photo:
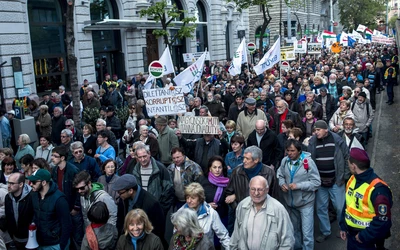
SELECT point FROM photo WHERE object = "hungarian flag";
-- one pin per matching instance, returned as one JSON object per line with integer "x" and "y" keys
{"x": 368, "y": 32}
{"x": 328, "y": 34}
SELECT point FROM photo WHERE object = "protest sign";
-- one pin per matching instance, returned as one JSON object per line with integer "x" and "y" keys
{"x": 287, "y": 53}
{"x": 314, "y": 48}
{"x": 198, "y": 125}
{"x": 164, "y": 101}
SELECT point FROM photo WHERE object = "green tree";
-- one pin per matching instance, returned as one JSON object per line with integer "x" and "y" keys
{"x": 264, "y": 5}
{"x": 166, "y": 15}
{"x": 365, "y": 12}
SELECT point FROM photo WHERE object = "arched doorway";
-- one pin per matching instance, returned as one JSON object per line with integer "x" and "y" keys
{"x": 108, "y": 56}
{"x": 47, "y": 32}
{"x": 201, "y": 30}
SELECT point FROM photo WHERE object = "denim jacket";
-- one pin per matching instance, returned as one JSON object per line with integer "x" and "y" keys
{"x": 232, "y": 161}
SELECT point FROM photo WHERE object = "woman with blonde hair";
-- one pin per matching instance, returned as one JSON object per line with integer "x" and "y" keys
{"x": 138, "y": 235}
{"x": 336, "y": 122}
{"x": 44, "y": 121}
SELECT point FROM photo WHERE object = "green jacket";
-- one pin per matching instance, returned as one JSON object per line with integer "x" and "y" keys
{"x": 167, "y": 140}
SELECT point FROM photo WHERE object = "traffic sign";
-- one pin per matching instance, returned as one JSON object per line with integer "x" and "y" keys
{"x": 285, "y": 65}
{"x": 156, "y": 69}
{"x": 251, "y": 47}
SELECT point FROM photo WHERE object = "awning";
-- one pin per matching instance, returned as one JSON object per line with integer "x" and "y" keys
{"x": 118, "y": 24}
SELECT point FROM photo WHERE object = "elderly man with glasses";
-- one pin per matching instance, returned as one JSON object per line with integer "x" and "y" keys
{"x": 66, "y": 140}
{"x": 84, "y": 162}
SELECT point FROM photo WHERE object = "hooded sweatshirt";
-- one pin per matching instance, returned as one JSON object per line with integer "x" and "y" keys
{"x": 98, "y": 194}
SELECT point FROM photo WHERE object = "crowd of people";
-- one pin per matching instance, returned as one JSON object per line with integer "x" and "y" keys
{"x": 290, "y": 142}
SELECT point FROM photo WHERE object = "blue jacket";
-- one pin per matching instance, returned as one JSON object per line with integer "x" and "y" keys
{"x": 88, "y": 164}
{"x": 5, "y": 128}
{"x": 68, "y": 189}
{"x": 232, "y": 161}
{"x": 109, "y": 153}
{"x": 52, "y": 218}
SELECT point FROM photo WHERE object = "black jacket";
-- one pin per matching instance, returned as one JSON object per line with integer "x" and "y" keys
{"x": 19, "y": 229}
{"x": 68, "y": 189}
{"x": 269, "y": 144}
{"x": 115, "y": 125}
{"x": 147, "y": 242}
{"x": 291, "y": 115}
{"x": 52, "y": 218}
{"x": 315, "y": 107}
{"x": 330, "y": 105}
{"x": 150, "y": 205}
{"x": 90, "y": 144}
{"x": 57, "y": 125}
{"x": 234, "y": 112}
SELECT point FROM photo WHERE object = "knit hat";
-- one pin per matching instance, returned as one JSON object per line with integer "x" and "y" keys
{"x": 321, "y": 124}
{"x": 359, "y": 155}
{"x": 161, "y": 120}
{"x": 362, "y": 94}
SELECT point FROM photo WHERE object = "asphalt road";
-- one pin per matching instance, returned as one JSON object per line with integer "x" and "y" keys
{"x": 384, "y": 151}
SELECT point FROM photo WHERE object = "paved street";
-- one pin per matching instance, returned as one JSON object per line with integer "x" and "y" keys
{"x": 384, "y": 150}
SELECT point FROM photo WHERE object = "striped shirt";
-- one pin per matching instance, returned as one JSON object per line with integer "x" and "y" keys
{"x": 145, "y": 173}
{"x": 325, "y": 152}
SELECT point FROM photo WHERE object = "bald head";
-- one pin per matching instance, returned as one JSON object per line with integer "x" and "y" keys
{"x": 260, "y": 127}
{"x": 259, "y": 179}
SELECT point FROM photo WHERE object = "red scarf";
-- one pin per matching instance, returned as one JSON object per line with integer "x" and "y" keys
{"x": 282, "y": 118}
{"x": 91, "y": 238}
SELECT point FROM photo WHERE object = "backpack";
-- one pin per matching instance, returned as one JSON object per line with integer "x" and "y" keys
{"x": 354, "y": 103}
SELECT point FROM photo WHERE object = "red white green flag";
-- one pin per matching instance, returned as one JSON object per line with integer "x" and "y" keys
{"x": 328, "y": 34}
{"x": 368, "y": 32}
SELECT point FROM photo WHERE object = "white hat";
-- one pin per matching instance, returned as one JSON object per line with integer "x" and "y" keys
{"x": 11, "y": 112}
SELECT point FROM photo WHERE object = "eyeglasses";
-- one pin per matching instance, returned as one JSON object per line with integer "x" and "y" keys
{"x": 34, "y": 182}
{"x": 55, "y": 156}
{"x": 81, "y": 188}
{"x": 68, "y": 125}
{"x": 78, "y": 152}
{"x": 64, "y": 136}
{"x": 258, "y": 190}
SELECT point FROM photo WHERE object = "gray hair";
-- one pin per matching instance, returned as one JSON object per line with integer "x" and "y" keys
{"x": 101, "y": 121}
{"x": 310, "y": 93}
{"x": 25, "y": 139}
{"x": 76, "y": 145}
{"x": 284, "y": 103}
{"x": 44, "y": 107}
{"x": 256, "y": 152}
{"x": 143, "y": 127}
{"x": 59, "y": 109}
{"x": 70, "y": 122}
{"x": 261, "y": 178}
{"x": 130, "y": 125}
{"x": 144, "y": 147}
{"x": 185, "y": 220}
{"x": 204, "y": 107}
{"x": 137, "y": 144}
{"x": 68, "y": 132}
{"x": 61, "y": 87}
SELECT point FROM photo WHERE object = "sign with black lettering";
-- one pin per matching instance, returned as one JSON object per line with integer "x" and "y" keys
{"x": 198, "y": 125}
{"x": 164, "y": 101}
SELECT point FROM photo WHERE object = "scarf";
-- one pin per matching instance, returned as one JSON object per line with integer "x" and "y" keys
{"x": 109, "y": 178}
{"x": 251, "y": 172}
{"x": 135, "y": 239}
{"x": 91, "y": 238}
{"x": 230, "y": 135}
{"x": 221, "y": 182}
{"x": 181, "y": 244}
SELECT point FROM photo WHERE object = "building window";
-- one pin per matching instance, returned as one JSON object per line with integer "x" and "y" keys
{"x": 266, "y": 37}
{"x": 47, "y": 31}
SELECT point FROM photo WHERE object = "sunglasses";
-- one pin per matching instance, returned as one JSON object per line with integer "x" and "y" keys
{"x": 81, "y": 188}
{"x": 34, "y": 182}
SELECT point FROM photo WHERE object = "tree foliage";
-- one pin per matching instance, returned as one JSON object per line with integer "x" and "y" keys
{"x": 165, "y": 15}
{"x": 392, "y": 22}
{"x": 365, "y": 12}
{"x": 264, "y": 5}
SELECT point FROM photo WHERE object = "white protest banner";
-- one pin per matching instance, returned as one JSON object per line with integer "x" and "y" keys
{"x": 166, "y": 61}
{"x": 198, "y": 125}
{"x": 271, "y": 57}
{"x": 344, "y": 39}
{"x": 192, "y": 57}
{"x": 239, "y": 58}
{"x": 314, "y": 48}
{"x": 287, "y": 53}
{"x": 382, "y": 40}
{"x": 164, "y": 101}
{"x": 361, "y": 28}
{"x": 191, "y": 74}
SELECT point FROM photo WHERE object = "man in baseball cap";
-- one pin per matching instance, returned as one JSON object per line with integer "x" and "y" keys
{"x": 51, "y": 211}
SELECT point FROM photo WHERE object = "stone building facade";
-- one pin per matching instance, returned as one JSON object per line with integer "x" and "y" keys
{"x": 312, "y": 15}
{"x": 110, "y": 36}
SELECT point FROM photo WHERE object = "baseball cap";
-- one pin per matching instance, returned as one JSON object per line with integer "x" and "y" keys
{"x": 40, "y": 175}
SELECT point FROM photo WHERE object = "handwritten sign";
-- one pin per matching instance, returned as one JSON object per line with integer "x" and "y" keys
{"x": 287, "y": 53}
{"x": 198, "y": 125}
{"x": 164, "y": 101}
